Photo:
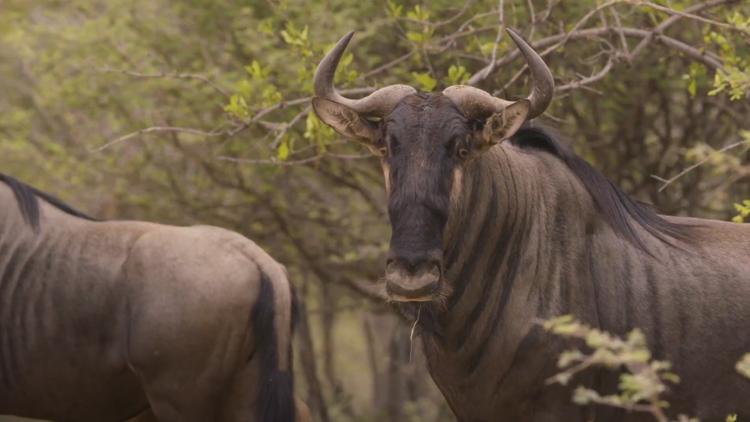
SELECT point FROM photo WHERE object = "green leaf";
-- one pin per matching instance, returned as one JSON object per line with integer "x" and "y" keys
{"x": 426, "y": 82}
{"x": 417, "y": 37}
{"x": 256, "y": 71}
{"x": 394, "y": 9}
{"x": 457, "y": 75}
{"x": 266, "y": 26}
{"x": 418, "y": 14}
{"x": 283, "y": 151}
{"x": 237, "y": 107}
{"x": 692, "y": 87}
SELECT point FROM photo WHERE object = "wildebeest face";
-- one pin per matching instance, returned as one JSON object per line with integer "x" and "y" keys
{"x": 424, "y": 144}
{"x": 425, "y": 141}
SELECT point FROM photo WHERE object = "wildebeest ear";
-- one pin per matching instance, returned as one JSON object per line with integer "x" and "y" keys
{"x": 345, "y": 121}
{"x": 503, "y": 124}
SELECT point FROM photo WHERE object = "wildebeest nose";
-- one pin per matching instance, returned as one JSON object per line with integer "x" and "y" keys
{"x": 413, "y": 263}
{"x": 417, "y": 282}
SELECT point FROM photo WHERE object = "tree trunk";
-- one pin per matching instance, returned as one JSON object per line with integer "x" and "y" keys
{"x": 306, "y": 353}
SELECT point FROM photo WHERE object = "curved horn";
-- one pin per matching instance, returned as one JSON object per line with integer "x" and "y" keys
{"x": 379, "y": 103}
{"x": 477, "y": 103}
{"x": 474, "y": 102}
{"x": 541, "y": 77}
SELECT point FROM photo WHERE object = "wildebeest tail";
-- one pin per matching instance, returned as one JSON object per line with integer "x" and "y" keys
{"x": 273, "y": 319}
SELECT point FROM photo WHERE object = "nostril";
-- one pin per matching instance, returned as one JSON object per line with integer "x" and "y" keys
{"x": 436, "y": 270}
{"x": 412, "y": 265}
{"x": 433, "y": 267}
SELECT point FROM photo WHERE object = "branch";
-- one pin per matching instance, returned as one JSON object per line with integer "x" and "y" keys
{"x": 229, "y": 132}
{"x": 500, "y": 30}
{"x": 388, "y": 65}
{"x": 668, "y": 182}
{"x": 460, "y": 13}
{"x": 623, "y": 42}
{"x": 588, "y": 80}
{"x": 532, "y": 15}
{"x": 271, "y": 161}
{"x": 648, "y": 36}
{"x": 197, "y": 132}
{"x": 674, "y": 18}
{"x": 555, "y": 40}
{"x": 286, "y": 126}
{"x": 303, "y": 100}
{"x": 685, "y": 14}
{"x": 172, "y": 75}
{"x": 285, "y": 163}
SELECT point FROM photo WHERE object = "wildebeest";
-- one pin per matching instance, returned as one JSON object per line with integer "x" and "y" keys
{"x": 104, "y": 321}
{"x": 488, "y": 237}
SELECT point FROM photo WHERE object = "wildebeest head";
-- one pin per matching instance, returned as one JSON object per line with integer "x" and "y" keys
{"x": 424, "y": 141}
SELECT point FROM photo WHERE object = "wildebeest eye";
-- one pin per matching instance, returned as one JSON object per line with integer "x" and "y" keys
{"x": 451, "y": 145}
{"x": 461, "y": 146}
{"x": 392, "y": 144}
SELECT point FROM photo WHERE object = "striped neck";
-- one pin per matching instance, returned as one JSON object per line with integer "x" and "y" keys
{"x": 487, "y": 236}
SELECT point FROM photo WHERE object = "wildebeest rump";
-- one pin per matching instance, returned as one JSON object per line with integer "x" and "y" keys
{"x": 496, "y": 225}
{"x": 103, "y": 321}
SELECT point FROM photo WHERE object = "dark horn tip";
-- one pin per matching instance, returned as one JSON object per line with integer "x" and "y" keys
{"x": 323, "y": 79}
{"x": 346, "y": 38}
{"x": 515, "y": 35}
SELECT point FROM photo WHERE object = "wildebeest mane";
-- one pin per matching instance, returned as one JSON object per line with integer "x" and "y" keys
{"x": 27, "y": 198}
{"x": 620, "y": 211}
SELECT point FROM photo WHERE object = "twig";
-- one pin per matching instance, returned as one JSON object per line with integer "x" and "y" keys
{"x": 500, "y": 31}
{"x": 475, "y": 18}
{"x": 171, "y": 75}
{"x": 698, "y": 164}
{"x": 278, "y": 162}
{"x": 271, "y": 161}
{"x": 588, "y": 80}
{"x": 438, "y": 24}
{"x": 460, "y": 13}
{"x": 349, "y": 156}
{"x": 303, "y": 100}
{"x": 674, "y": 18}
{"x": 158, "y": 129}
{"x": 557, "y": 41}
{"x": 388, "y": 65}
{"x": 685, "y": 14}
{"x": 289, "y": 125}
{"x": 695, "y": 53}
{"x": 230, "y": 132}
{"x": 532, "y": 17}
{"x": 623, "y": 41}
{"x": 512, "y": 80}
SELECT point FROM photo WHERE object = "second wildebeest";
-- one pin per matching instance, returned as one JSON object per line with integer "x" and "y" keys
{"x": 103, "y": 321}
{"x": 497, "y": 225}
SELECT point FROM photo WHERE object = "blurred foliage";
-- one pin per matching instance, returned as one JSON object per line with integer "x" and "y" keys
{"x": 641, "y": 385}
{"x": 743, "y": 366}
{"x": 643, "y": 380}
{"x": 743, "y": 211}
{"x": 197, "y": 111}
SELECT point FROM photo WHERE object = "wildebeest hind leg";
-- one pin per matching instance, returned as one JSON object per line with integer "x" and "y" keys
{"x": 216, "y": 400}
